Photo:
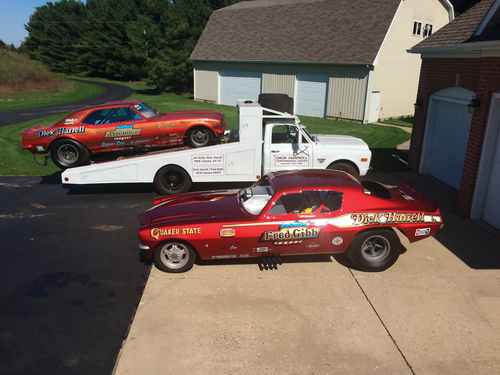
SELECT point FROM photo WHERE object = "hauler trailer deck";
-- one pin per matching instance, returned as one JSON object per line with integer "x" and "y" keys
{"x": 267, "y": 141}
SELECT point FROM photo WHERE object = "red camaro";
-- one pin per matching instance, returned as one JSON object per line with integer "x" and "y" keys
{"x": 116, "y": 126}
{"x": 288, "y": 213}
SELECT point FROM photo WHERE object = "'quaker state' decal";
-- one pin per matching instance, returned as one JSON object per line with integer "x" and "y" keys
{"x": 291, "y": 233}
{"x": 60, "y": 131}
{"x": 123, "y": 131}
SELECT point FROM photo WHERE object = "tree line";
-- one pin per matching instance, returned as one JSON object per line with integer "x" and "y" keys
{"x": 126, "y": 39}
{"x": 121, "y": 39}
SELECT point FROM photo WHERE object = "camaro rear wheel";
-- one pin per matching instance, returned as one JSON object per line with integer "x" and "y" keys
{"x": 67, "y": 153}
{"x": 345, "y": 167}
{"x": 199, "y": 136}
{"x": 172, "y": 179}
{"x": 374, "y": 250}
{"x": 174, "y": 256}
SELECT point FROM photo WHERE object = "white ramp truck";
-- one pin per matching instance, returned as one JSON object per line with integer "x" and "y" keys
{"x": 268, "y": 141}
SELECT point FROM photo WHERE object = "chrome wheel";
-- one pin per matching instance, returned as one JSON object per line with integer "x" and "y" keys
{"x": 68, "y": 153}
{"x": 174, "y": 255}
{"x": 375, "y": 248}
{"x": 199, "y": 137}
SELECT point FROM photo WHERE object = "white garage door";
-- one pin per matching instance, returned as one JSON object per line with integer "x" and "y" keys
{"x": 447, "y": 131}
{"x": 491, "y": 212}
{"x": 311, "y": 95}
{"x": 238, "y": 85}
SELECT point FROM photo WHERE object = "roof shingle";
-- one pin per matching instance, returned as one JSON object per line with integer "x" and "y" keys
{"x": 318, "y": 31}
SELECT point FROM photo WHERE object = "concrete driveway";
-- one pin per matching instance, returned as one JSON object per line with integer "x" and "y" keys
{"x": 434, "y": 312}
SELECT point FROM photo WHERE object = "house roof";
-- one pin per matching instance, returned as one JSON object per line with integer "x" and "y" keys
{"x": 462, "y": 29}
{"x": 315, "y": 31}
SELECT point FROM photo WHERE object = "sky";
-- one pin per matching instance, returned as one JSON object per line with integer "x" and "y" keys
{"x": 14, "y": 14}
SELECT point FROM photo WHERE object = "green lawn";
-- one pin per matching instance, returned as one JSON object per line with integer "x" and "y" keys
{"x": 31, "y": 99}
{"x": 16, "y": 161}
{"x": 406, "y": 121}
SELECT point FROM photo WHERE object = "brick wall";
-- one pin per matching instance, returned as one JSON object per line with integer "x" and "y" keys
{"x": 481, "y": 76}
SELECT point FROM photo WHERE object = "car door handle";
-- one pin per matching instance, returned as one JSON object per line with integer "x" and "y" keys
{"x": 275, "y": 151}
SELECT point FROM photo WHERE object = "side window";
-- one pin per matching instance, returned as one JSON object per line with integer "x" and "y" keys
{"x": 284, "y": 134}
{"x": 111, "y": 116}
{"x": 307, "y": 202}
{"x": 417, "y": 28}
{"x": 427, "y": 30}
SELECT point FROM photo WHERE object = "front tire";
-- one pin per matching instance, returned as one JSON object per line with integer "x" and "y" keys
{"x": 67, "y": 153}
{"x": 374, "y": 250}
{"x": 199, "y": 136}
{"x": 345, "y": 167}
{"x": 174, "y": 256}
{"x": 172, "y": 180}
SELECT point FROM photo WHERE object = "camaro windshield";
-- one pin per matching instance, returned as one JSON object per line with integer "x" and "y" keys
{"x": 145, "y": 110}
{"x": 254, "y": 198}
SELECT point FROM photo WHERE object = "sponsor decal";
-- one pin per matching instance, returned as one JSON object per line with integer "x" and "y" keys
{"x": 261, "y": 249}
{"x": 223, "y": 256}
{"x": 290, "y": 235}
{"x": 162, "y": 232}
{"x": 60, "y": 131}
{"x": 291, "y": 160}
{"x": 337, "y": 241}
{"x": 167, "y": 125}
{"x": 387, "y": 218}
{"x": 208, "y": 165}
{"x": 227, "y": 232}
{"x": 70, "y": 121}
{"x": 422, "y": 231}
{"x": 123, "y": 131}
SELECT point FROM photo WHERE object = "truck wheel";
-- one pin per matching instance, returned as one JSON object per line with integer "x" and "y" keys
{"x": 345, "y": 167}
{"x": 199, "y": 136}
{"x": 174, "y": 256}
{"x": 67, "y": 153}
{"x": 172, "y": 180}
{"x": 374, "y": 250}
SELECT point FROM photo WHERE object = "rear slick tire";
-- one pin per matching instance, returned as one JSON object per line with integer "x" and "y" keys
{"x": 374, "y": 250}
{"x": 67, "y": 153}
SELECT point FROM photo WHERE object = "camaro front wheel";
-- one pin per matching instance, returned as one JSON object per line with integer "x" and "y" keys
{"x": 374, "y": 250}
{"x": 199, "y": 136}
{"x": 174, "y": 256}
{"x": 67, "y": 153}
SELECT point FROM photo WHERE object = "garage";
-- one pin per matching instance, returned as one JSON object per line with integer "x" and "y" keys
{"x": 446, "y": 136}
{"x": 486, "y": 203}
{"x": 234, "y": 85}
{"x": 311, "y": 95}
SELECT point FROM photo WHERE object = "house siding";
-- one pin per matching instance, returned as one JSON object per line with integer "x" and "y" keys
{"x": 396, "y": 72}
{"x": 346, "y": 89}
{"x": 206, "y": 85}
{"x": 278, "y": 83}
{"x": 480, "y": 75}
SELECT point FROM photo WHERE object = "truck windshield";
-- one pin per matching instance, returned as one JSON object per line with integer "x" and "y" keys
{"x": 303, "y": 128}
{"x": 254, "y": 198}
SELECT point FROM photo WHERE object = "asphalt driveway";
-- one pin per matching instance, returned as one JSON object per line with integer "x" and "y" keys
{"x": 111, "y": 92}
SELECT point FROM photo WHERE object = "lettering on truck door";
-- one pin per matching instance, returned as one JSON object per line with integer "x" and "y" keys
{"x": 288, "y": 149}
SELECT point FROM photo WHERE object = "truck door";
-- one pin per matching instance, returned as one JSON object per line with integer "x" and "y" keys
{"x": 286, "y": 148}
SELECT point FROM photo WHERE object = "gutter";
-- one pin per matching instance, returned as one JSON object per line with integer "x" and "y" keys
{"x": 470, "y": 46}
{"x": 367, "y": 64}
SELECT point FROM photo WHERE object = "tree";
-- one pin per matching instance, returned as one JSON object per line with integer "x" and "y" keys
{"x": 53, "y": 32}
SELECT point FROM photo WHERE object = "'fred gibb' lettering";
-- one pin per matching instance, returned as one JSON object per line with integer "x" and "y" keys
{"x": 289, "y": 234}
{"x": 60, "y": 131}
{"x": 387, "y": 218}
{"x": 162, "y": 232}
